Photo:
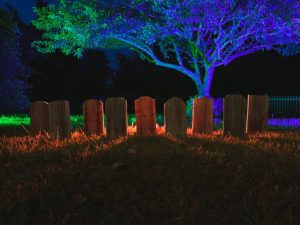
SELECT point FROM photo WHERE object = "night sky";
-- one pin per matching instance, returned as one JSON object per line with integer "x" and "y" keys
{"x": 258, "y": 73}
{"x": 24, "y": 7}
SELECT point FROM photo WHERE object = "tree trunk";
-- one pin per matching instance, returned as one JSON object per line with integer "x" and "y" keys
{"x": 209, "y": 71}
{"x": 203, "y": 88}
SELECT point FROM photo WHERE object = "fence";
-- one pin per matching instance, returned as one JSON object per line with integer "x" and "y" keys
{"x": 284, "y": 105}
{"x": 54, "y": 117}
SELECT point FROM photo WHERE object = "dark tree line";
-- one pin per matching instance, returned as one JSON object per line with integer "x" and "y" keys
{"x": 27, "y": 75}
{"x": 12, "y": 73}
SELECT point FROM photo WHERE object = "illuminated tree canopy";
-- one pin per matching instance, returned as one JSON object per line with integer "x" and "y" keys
{"x": 190, "y": 36}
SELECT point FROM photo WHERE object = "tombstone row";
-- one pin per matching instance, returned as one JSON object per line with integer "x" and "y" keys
{"x": 54, "y": 117}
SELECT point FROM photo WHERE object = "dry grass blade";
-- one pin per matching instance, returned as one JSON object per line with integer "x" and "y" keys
{"x": 199, "y": 179}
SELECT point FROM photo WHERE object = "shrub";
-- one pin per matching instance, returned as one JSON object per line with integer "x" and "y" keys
{"x": 218, "y": 107}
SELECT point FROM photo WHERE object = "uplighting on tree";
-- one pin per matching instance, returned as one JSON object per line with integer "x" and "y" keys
{"x": 190, "y": 36}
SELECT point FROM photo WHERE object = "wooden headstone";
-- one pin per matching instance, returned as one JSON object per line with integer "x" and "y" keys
{"x": 175, "y": 117}
{"x": 93, "y": 122}
{"x": 145, "y": 114}
{"x": 202, "y": 115}
{"x": 257, "y": 113}
{"x": 234, "y": 115}
{"x": 59, "y": 119}
{"x": 39, "y": 117}
{"x": 116, "y": 117}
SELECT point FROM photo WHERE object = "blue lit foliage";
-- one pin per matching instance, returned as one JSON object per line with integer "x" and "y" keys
{"x": 12, "y": 73}
{"x": 290, "y": 49}
{"x": 193, "y": 36}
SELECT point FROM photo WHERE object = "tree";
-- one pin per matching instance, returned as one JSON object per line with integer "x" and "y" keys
{"x": 12, "y": 76}
{"x": 190, "y": 36}
{"x": 40, "y": 3}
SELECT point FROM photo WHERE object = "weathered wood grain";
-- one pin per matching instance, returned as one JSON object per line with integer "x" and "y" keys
{"x": 234, "y": 115}
{"x": 145, "y": 113}
{"x": 116, "y": 117}
{"x": 202, "y": 115}
{"x": 39, "y": 117}
{"x": 59, "y": 119}
{"x": 93, "y": 121}
{"x": 175, "y": 117}
{"x": 257, "y": 113}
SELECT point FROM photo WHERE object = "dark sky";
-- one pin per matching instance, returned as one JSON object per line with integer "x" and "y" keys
{"x": 24, "y": 7}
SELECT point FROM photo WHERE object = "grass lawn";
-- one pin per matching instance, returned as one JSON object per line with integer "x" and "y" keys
{"x": 200, "y": 179}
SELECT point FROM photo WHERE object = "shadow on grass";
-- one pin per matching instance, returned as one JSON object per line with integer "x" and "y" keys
{"x": 206, "y": 179}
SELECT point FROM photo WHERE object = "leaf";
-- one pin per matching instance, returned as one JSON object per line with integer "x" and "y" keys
{"x": 117, "y": 165}
{"x": 104, "y": 25}
{"x": 79, "y": 198}
{"x": 131, "y": 151}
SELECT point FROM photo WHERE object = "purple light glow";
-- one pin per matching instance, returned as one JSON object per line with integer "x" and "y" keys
{"x": 272, "y": 123}
{"x": 292, "y": 122}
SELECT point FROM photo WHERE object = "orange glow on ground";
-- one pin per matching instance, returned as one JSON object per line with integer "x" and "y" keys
{"x": 99, "y": 142}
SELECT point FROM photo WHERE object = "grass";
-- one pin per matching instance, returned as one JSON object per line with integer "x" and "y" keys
{"x": 200, "y": 179}
{"x": 11, "y": 125}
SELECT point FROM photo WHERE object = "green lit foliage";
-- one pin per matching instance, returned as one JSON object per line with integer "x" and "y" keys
{"x": 68, "y": 26}
{"x": 14, "y": 120}
{"x": 73, "y": 27}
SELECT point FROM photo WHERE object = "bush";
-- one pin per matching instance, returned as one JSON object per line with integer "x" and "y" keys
{"x": 217, "y": 108}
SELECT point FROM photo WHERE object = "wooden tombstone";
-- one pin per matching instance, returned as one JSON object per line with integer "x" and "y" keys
{"x": 257, "y": 113}
{"x": 145, "y": 114}
{"x": 39, "y": 117}
{"x": 93, "y": 121}
{"x": 116, "y": 117}
{"x": 234, "y": 115}
{"x": 59, "y": 119}
{"x": 175, "y": 117}
{"x": 202, "y": 115}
